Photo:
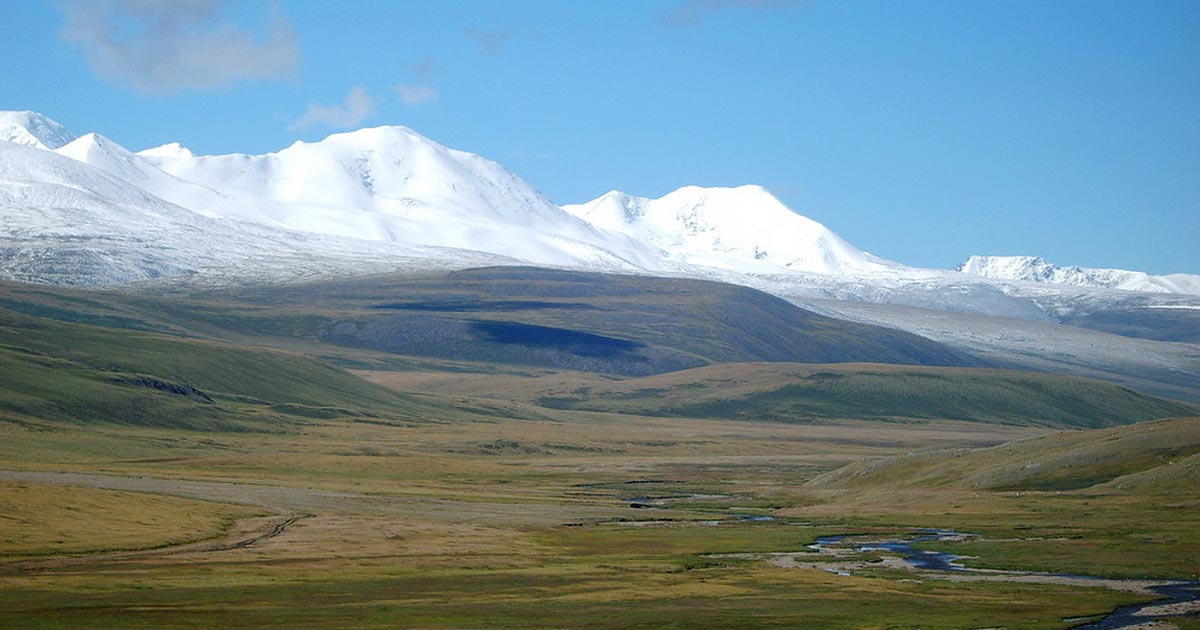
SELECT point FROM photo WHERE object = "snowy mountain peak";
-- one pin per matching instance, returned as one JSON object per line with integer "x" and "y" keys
{"x": 92, "y": 146}
{"x": 742, "y": 228}
{"x": 1038, "y": 269}
{"x": 168, "y": 151}
{"x": 378, "y": 183}
{"x": 1032, "y": 268}
{"x": 33, "y": 129}
{"x": 105, "y": 154}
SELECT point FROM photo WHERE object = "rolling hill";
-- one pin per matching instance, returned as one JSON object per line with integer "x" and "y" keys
{"x": 629, "y": 325}
{"x": 1161, "y": 456}
{"x": 82, "y": 374}
{"x": 785, "y": 392}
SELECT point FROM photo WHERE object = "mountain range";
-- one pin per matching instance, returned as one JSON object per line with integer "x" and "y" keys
{"x": 391, "y": 185}
{"x": 87, "y": 211}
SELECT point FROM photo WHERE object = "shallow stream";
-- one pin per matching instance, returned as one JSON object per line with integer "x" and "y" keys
{"x": 1179, "y": 599}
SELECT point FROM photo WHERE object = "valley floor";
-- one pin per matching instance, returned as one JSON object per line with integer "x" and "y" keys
{"x": 577, "y": 519}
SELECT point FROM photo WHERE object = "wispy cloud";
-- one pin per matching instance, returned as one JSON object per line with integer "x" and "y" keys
{"x": 415, "y": 94}
{"x": 692, "y": 12}
{"x": 424, "y": 68}
{"x": 491, "y": 41}
{"x": 355, "y": 109}
{"x": 162, "y": 47}
{"x": 419, "y": 91}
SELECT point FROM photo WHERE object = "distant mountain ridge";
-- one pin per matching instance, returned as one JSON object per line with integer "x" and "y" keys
{"x": 1038, "y": 269}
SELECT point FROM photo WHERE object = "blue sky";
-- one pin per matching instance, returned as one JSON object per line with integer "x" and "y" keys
{"x": 922, "y": 131}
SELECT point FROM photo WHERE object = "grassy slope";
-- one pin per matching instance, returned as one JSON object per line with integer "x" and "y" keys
{"x": 659, "y": 321}
{"x": 520, "y": 316}
{"x": 1120, "y": 502}
{"x": 80, "y": 373}
{"x": 1162, "y": 455}
{"x": 805, "y": 393}
{"x": 44, "y": 519}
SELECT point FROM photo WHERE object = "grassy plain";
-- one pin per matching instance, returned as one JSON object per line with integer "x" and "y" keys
{"x": 528, "y": 523}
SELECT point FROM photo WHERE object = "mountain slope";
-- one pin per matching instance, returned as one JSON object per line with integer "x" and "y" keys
{"x": 500, "y": 316}
{"x": 63, "y": 372}
{"x": 32, "y": 130}
{"x": 67, "y": 222}
{"x": 1037, "y": 269}
{"x": 744, "y": 228}
{"x": 585, "y": 321}
{"x": 392, "y": 184}
{"x": 102, "y": 153}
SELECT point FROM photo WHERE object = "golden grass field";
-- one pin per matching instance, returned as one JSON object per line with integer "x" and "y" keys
{"x": 527, "y": 523}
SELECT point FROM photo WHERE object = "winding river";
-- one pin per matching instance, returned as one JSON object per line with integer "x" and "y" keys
{"x": 1179, "y": 599}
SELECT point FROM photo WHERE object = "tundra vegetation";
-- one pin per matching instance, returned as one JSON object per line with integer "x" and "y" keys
{"x": 542, "y": 449}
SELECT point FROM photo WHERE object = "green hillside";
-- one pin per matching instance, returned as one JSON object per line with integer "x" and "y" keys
{"x": 802, "y": 393}
{"x": 1161, "y": 456}
{"x": 80, "y": 373}
{"x": 615, "y": 324}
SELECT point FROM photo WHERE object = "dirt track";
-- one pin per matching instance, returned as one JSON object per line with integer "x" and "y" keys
{"x": 299, "y": 500}
{"x": 244, "y": 533}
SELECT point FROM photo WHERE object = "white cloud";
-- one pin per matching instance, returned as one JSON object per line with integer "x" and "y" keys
{"x": 416, "y": 94}
{"x": 356, "y": 108}
{"x": 491, "y": 41}
{"x": 169, "y": 46}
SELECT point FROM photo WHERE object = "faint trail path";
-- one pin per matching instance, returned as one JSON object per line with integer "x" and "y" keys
{"x": 299, "y": 500}
{"x": 245, "y": 533}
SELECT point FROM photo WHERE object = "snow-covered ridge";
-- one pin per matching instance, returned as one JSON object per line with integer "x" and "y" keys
{"x": 1037, "y": 269}
{"x": 385, "y": 184}
{"x": 742, "y": 228}
{"x": 360, "y": 199}
{"x": 33, "y": 130}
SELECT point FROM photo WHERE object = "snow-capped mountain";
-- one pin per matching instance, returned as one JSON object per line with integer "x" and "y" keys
{"x": 359, "y": 200}
{"x": 65, "y": 222}
{"x": 1037, "y": 269}
{"x": 392, "y": 184}
{"x": 740, "y": 229}
{"x": 32, "y": 130}
{"x": 354, "y": 201}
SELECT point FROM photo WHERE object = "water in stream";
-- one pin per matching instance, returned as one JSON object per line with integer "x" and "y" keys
{"x": 1176, "y": 595}
{"x": 917, "y": 558}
